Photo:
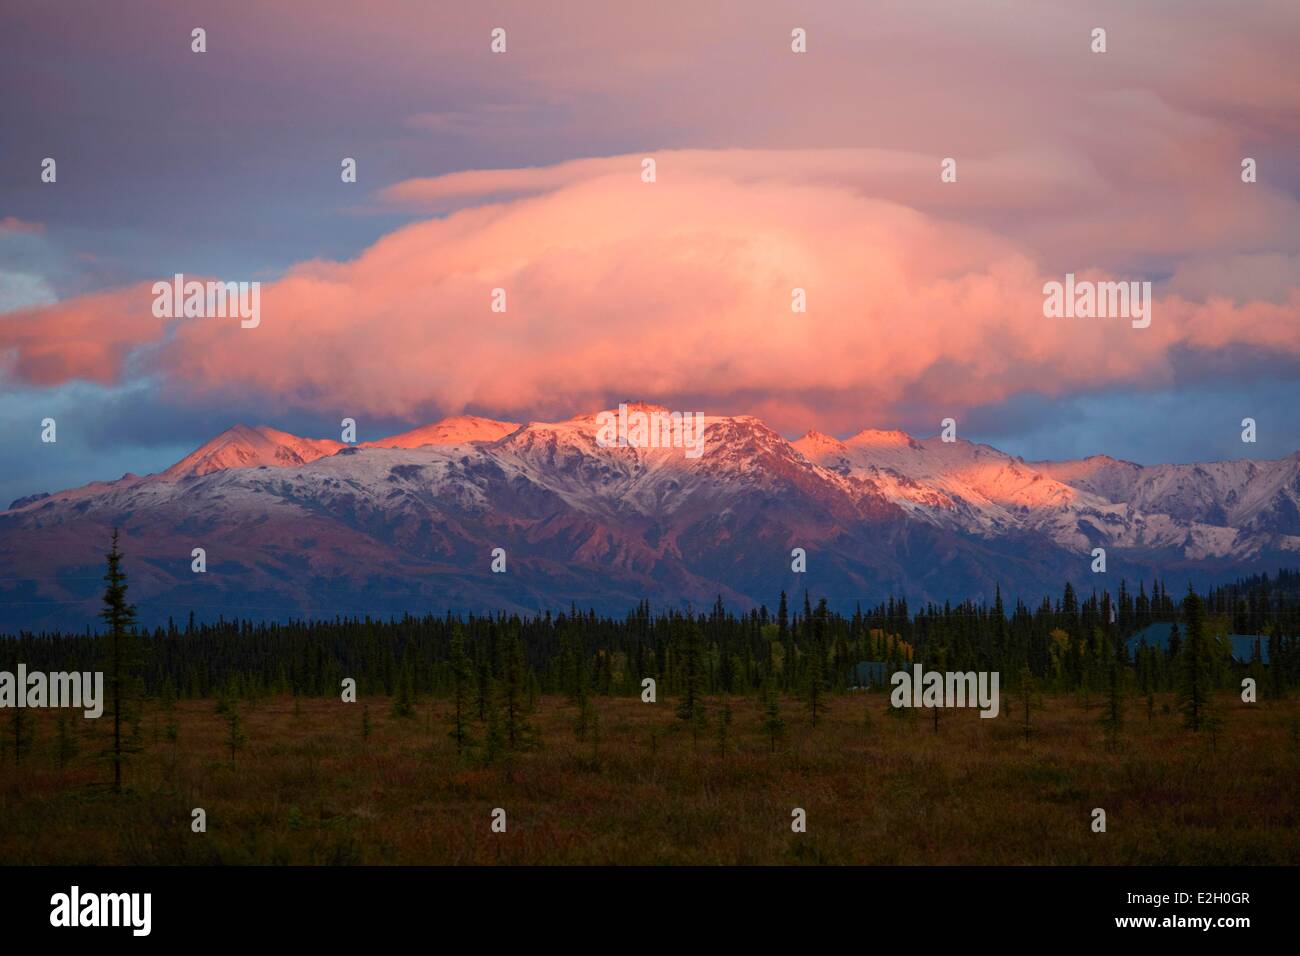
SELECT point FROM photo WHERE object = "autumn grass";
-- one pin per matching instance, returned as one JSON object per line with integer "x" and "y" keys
{"x": 878, "y": 788}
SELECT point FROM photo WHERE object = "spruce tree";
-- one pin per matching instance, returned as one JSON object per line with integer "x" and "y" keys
{"x": 690, "y": 707}
{"x": 494, "y": 739}
{"x": 404, "y": 702}
{"x": 1113, "y": 719}
{"x": 223, "y": 700}
{"x": 582, "y": 720}
{"x": 483, "y": 698}
{"x": 588, "y": 726}
{"x": 1025, "y": 689}
{"x": 724, "y": 724}
{"x": 786, "y": 641}
{"x": 167, "y": 703}
{"x": 773, "y": 725}
{"x": 235, "y": 738}
{"x": 22, "y": 732}
{"x": 815, "y": 683}
{"x": 515, "y": 681}
{"x": 123, "y": 656}
{"x": 1194, "y": 690}
{"x": 462, "y": 679}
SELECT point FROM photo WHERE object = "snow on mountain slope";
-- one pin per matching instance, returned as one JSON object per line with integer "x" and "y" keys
{"x": 1217, "y": 509}
{"x": 406, "y": 522}
{"x": 244, "y": 447}
{"x": 1259, "y": 496}
{"x": 460, "y": 430}
{"x": 1102, "y": 475}
{"x": 960, "y": 484}
{"x": 740, "y": 454}
{"x": 973, "y": 472}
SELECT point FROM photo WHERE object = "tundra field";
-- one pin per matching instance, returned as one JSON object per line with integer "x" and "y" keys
{"x": 315, "y": 781}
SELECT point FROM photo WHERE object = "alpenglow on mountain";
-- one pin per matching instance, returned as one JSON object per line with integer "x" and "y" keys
{"x": 307, "y": 527}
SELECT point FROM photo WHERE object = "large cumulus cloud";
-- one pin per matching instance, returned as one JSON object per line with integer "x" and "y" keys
{"x": 619, "y": 288}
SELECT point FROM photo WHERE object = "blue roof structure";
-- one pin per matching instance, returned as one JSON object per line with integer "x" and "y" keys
{"x": 872, "y": 673}
{"x": 1157, "y": 635}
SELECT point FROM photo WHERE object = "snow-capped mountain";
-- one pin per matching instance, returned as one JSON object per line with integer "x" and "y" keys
{"x": 450, "y": 431}
{"x": 292, "y": 525}
{"x": 244, "y": 447}
{"x": 1255, "y": 496}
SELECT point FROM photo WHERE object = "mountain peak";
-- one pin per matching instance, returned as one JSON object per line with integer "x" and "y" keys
{"x": 243, "y": 447}
{"x": 879, "y": 438}
{"x": 457, "y": 430}
{"x": 817, "y": 441}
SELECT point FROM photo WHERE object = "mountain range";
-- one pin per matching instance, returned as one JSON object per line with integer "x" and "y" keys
{"x": 295, "y": 526}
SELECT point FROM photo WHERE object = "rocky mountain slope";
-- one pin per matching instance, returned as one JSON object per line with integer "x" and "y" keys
{"x": 297, "y": 526}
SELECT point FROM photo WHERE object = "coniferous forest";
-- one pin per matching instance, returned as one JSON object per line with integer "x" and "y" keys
{"x": 668, "y": 737}
{"x": 1065, "y": 643}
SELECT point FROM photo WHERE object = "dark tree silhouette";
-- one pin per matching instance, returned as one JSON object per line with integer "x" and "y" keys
{"x": 123, "y": 656}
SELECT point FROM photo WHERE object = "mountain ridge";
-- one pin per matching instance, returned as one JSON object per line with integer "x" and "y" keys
{"x": 410, "y": 521}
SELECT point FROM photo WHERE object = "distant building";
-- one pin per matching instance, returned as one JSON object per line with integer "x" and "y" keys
{"x": 872, "y": 673}
{"x": 1157, "y": 635}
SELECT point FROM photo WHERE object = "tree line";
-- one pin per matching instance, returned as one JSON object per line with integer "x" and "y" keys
{"x": 1065, "y": 644}
{"x": 493, "y": 668}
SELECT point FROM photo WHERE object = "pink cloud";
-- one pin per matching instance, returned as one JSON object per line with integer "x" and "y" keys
{"x": 90, "y": 337}
{"x": 618, "y": 288}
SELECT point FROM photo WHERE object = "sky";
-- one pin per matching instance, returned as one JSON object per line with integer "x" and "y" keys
{"x": 522, "y": 170}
